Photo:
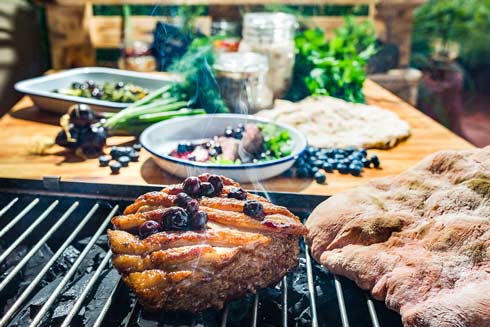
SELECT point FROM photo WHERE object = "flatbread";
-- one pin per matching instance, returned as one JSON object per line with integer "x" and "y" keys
{"x": 329, "y": 122}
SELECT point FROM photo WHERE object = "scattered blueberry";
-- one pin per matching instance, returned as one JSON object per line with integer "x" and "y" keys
{"x": 237, "y": 193}
{"x": 320, "y": 177}
{"x": 366, "y": 162}
{"x": 375, "y": 161}
{"x": 192, "y": 185}
{"x": 104, "y": 161}
{"x": 115, "y": 167}
{"x": 124, "y": 160}
{"x": 175, "y": 218}
{"x": 314, "y": 170}
{"x": 355, "y": 170}
{"x": 342, "y": 168}
{"x": 182, "y": 199}
{"x": 134, "y": 156}
{"x": 288, "y": 173}
{"x": 253, "y": 209}
{"x": 217, "y": 183}
{"x": 199, "y": 220}
{"x": 327, "y": 167}
{"x": 302, "y": 172}
{"x": 149, "y": 227}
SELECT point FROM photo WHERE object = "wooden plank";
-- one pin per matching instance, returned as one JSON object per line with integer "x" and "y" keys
{"x": 25, "y": 124}
{"x": 106, "y": 30}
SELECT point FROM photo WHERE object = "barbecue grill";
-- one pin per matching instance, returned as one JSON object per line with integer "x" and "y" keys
{"x": 55, "y": 268}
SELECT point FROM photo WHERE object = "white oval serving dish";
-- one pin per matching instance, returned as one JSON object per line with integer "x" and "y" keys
{"x": 160, "y": 138}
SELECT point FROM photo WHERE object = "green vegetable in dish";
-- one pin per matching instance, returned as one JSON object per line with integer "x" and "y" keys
{"x": 335, "y": 67}
{"x": 108, "y": 91}
{"x": 277, "y": 142}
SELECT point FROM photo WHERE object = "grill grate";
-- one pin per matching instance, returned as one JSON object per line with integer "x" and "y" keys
{"x": 34, "y": 216}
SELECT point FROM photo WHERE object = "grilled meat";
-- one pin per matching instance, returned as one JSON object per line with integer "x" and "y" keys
{"x": 193, "y": 270}
{"x": 420, "y": 241}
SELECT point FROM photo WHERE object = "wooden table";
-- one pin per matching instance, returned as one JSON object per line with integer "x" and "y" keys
{"x": 25, "y": 125}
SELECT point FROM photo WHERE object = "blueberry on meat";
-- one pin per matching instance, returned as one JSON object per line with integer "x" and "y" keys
{"x": 192, "y": 185}
{"x": 215, "y": 180}
{"x": 320, "y": 177}
{"x": 199, "y": 220}
{"x": 81, "y": 115}
{"x": 104, "y": 161}
{"x": 192, "y": 206}
{"x": 124, "y": 160}
{"x": 237, "y": 193}
{"x": 175, "y": 218}
{"x": 182, "y": 199}
{"x": 253, "y": 209}
{"x": 375, "y": 161}
{"x": 149, "y": 227}
{"x": 206, "y": 189}
{"x": 115, "y": 167}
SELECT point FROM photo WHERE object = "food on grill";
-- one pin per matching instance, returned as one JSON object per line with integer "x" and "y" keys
{"x": 328, "y": 122}
{"x": 179, "y": 250}
{"x": 419, "y": 240}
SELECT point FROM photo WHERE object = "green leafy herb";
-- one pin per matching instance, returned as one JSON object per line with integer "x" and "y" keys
{"x": 335, "y": 67}
{"x": 276, "y": 140}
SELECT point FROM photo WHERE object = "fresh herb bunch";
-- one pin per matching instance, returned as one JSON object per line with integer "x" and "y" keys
{"x": 335, "y": 67}
{"x": 277, "y": 141}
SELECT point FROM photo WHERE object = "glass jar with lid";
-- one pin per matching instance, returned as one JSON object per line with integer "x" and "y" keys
{"x": 272, "y": 34}
{"x": 242, "y": 81}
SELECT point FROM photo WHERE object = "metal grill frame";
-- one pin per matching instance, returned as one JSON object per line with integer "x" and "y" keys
{"x": 54, "y": 187}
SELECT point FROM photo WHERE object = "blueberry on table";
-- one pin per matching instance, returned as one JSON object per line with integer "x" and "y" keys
{"x": 191, "y": 185}
{"x": 299, "y": 163}
{"x": 342, "y": 168}
{"x": 134, "y": 156}
{"x": 302, "y": 172}
{"x": 320, "y": 177}
{"x": 363, "y": 152}
{"x": 311, "y": 150}
{"x": 253, "y": 209}
{"x": 366, "y": 162}
{"x": 217, "y": 183}
{"x": 206, "y": 189}
{"x": 327, "y": 167}
{"x": 237, "y": 193}
{"x": 124, "y": 160}
{"x": 375, "y": 161}
{"x": 314, "y": 170}
{"x": 137, "y": 147}
{"x": 115, "y": 152}
{"x": 199, "y": 220}
{"x": 175, "y": 218}
{"x": 355, "y": 170}
{"x": 104, "y": 161}
{"x": 318, "y": 163}
{"x": 288, "y": 173}
{"x": 149, "y": 227}
{"x": 115, "y": 167}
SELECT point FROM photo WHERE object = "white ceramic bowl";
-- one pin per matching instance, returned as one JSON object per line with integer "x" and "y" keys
{"x": 160, "y": 138}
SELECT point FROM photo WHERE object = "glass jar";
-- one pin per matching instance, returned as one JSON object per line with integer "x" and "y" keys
{"x": 242, "y": 81}
{"x": 228, "y": 34}
{"x": 272, "y": 34}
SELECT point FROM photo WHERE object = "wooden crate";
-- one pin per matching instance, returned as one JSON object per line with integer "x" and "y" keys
{"x": 75, "y": 33}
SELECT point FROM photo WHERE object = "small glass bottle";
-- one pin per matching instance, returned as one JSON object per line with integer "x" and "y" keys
{"x": 272, "y": 34}
{"x": 241, "y": 78}
{"x": 228, "y": 34}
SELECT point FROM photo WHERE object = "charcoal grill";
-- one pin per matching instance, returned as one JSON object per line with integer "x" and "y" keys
{"x": 36, "y": 214}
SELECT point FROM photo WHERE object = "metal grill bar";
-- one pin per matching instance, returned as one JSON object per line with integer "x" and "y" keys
{"x": 36, "y": 247}
{"x": 255, "y": 312}
{"x": 224, "y": 318}
{"x": 8, "y": 206}
{"x": 311, "y": 287}
{"x": 76, "y": 307}
{"x": 284, "y": 301}
{"x": 26, "y": 233}
{"x": 340, "y": 298}
{"x": 106, "y": 307}
{"x": 372, "y": 311}
{"x": 131, "y": 314}
{"x": 48, "y": 265}
{"x": 73, "y": 269}
{"x": 18, "y": 217}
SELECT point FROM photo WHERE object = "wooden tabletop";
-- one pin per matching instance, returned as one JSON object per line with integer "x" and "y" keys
{"x": 25, "y": 126}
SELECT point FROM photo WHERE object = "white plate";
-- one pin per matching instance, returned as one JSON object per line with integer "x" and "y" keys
{"x": 41, "y": 89}
{"x": 160, "y": 138}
